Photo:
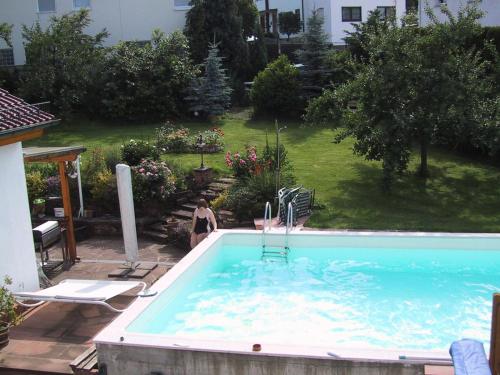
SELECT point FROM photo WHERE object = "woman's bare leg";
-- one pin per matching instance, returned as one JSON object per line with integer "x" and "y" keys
{"x": 200, "y": 237}
{"x": 194, "y": 240}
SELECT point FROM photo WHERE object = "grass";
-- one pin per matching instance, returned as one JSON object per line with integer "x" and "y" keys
{"x": 462, "y": 195}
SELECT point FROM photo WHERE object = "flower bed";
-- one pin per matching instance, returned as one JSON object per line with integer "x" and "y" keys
{"x": 170, "y": 139}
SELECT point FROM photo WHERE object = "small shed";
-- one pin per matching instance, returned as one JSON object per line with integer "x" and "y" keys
{"x": 19, "y": 121}
{"x": 62, "y": 156}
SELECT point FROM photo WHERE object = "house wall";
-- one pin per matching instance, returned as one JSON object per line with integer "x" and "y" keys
{"x": 123, "y": 19}
{"x": 334, "y": 26}
{"x": 339, "y": 27}
{"x": 17, "y": 253}
{"x": 490, "y": 7}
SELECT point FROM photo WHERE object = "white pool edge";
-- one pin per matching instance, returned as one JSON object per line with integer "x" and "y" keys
{"x": 116, "y": 334}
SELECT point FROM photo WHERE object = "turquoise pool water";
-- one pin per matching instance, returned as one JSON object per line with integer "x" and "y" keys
{"x": 370, "y": 297}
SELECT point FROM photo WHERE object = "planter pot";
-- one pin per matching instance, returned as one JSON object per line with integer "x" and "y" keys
{"x": 4, "y": 336}
{"x": 39, "y": 208}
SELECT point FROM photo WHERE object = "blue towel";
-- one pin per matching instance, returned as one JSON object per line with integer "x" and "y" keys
{"x": 469, "y": 358}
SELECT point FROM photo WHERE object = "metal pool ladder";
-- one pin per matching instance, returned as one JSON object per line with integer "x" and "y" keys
{"x": 275, "y": 252}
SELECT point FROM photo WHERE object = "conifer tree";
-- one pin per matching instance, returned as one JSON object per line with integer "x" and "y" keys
{"x": 211, "y": 95}
{"x": 316, "y": 45}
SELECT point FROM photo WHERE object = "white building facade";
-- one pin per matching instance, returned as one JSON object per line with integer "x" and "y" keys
{"x": 491, "y": 9}
{"x": 339, "y": 15}
{"x": 124, "y": 19}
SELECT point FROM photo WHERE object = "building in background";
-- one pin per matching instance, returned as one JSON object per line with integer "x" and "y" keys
{"x": 339, "y": 15}
{"x": 124, "y": 19}
{"x": 491, "y": 8}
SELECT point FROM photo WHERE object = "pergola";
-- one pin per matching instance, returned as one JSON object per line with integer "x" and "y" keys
{"x": 61, "y": 156}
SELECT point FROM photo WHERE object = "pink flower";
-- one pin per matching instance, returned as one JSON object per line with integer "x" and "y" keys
{"x": 242, "y": 162}
{"x": 141, "y": 170}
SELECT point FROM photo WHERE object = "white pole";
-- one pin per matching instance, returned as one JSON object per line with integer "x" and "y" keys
{"x": 126, "y": 197}
{"x": 80, "y": 212}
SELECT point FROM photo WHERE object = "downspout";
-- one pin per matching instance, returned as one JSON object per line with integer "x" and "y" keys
{"x": 303, "y": 18}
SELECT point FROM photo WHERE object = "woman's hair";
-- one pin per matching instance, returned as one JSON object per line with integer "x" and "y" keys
{"x": 202, "y": 203}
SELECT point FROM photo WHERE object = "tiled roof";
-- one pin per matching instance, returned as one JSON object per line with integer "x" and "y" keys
{"x": 16, "y": 114}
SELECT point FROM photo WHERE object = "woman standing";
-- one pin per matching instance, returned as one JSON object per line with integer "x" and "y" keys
{"x": 202, "y": 217}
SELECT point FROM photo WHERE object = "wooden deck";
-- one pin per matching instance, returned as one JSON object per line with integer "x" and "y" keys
{"x": 53, "y": 335}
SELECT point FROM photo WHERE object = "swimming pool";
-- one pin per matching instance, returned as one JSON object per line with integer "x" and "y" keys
{"x": 346, "y": 294}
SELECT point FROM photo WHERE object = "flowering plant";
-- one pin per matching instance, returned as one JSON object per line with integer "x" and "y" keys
{"x": 244, "y": 166}
{"x": 172, "y": 139}
{"x": 134, "y": 151}
{"x": 153, "y": 181}
{"x": 213, "y": 139}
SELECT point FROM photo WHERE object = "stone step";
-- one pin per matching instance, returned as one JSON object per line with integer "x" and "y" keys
{"x": 182, "y": 214}
{"x": 189, "y": 206}
{"x": 209, "y": 195}
{"x": 217, "y": 187}
{"x": 225, "y": 213}
{"x": 158, "y": 237}
{"x": 160, "y": 226}
{"x": 226, "y": 180}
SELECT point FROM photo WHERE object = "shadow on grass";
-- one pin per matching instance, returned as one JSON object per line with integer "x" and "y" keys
{"x": 453, "y": 199}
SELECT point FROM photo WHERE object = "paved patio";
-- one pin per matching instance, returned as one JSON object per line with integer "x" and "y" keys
{"x": 53, "y": 335}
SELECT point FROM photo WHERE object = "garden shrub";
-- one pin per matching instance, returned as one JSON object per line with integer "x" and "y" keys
{"x": 53, "y": 186}
{"x": 248, "y": 197}
{"x": 135, "y": 151}
{"x": 220, "y": 202}
{"x": 276, "y": 89}
{"x": 153, "y": 182}
{"x": 36, "y": 184}
{"x": 172, "y": 139}
{"x": 112, "y": 157}
{"x": 104, "y": 192}
{"x": 213, "y": 139}
{"x": 147, "y": 80}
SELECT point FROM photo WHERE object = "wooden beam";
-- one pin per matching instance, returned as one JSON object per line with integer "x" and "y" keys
{"x": 495, "y": 338}
{"x": 51, "y": 159}
{"x": 68, "y": 212}
{"x": 21, "y": 137}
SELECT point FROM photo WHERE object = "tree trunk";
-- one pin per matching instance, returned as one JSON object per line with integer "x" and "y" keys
{"x": 424, "y": 170}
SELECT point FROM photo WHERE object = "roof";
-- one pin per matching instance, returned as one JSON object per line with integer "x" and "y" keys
{"x": 34, "y": 154}
{"x": 17, "y": 116}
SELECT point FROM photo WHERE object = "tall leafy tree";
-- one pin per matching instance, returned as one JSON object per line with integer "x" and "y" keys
{"x": 416, "y": 85}
{"x": 146, "y": 80}
{"x": 289, "y": 23}
{"x": 62, "y": 60}
{"x": 231, "y": 22}
{"x": 6, "y": 33}
{"x": 211, "y": 95}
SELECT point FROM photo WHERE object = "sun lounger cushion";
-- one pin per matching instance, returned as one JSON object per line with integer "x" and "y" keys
{"x": 469, "y": 358}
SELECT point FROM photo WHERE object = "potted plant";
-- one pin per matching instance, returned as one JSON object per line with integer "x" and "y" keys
{"x": 39, "y": 207}
{"x": 8, "y": 312}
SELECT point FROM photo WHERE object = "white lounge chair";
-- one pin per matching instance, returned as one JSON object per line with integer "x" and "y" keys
{"x": 95, "y": 292}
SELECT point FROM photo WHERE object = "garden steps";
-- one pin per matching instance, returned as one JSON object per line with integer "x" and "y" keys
{"x": 218, "y": 187}
{"x": 189, "y": 206}
{"x": 227, "y": 180}
{"x": 156, "y": 236}
{"x": 183, "y": 214}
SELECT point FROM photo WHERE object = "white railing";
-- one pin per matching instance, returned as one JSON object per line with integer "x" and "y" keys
{"x": 268, "y": 218}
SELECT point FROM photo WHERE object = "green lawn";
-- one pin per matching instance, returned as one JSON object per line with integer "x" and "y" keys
{"x": 461, "y": 195}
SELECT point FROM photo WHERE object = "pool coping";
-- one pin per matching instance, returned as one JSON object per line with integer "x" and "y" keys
{"x": 116, "y": 334}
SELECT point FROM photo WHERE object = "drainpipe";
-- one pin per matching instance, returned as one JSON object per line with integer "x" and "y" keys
{"x": 303, "y": 18}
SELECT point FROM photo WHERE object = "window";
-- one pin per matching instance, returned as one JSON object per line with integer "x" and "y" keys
{"x": 321, "y": 12}
{"x": 81, "y": 4}
{"x": 46, "y": 6}
{"x": 387, "y": 12}
{"x": 6, "y": 57}
{"x": 351, "y": 14}
{"x": 181, "y": 3}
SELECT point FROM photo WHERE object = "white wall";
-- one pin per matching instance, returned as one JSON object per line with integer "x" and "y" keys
{"x": 17, "y": 253}
{"x": 490, "y": 7}
{"x": 339, "y": 27}
{"x": 124, "y": 19}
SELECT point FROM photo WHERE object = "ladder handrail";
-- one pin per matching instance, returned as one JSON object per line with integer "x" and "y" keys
{"x": 267, "y": 216}
{"x": 289, "y": 218}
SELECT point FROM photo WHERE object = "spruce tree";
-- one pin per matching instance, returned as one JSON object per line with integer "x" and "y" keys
{"x": 316, "y": 45}
{"x": 211, "y": 95}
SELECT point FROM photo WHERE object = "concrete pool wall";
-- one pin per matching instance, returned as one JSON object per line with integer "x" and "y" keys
{"x": 123, "y": 352}
{"x": 122, "y": 359}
